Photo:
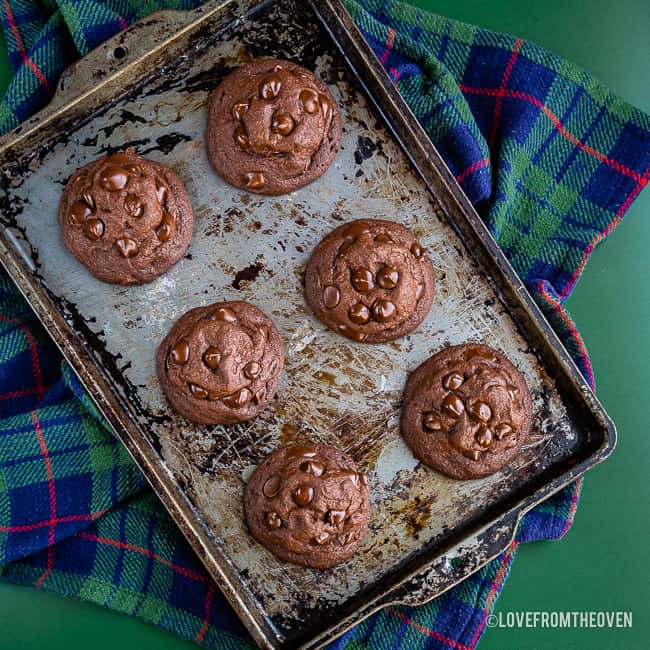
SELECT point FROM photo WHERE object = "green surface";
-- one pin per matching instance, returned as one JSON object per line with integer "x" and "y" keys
{"x": 602, "y": 563}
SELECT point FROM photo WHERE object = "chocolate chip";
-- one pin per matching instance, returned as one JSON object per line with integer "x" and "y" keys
{"x": 303, "y": 495}
{"x": 309, "y": 100}
{"x": 127, "y": 246}
{"x": 197, "y": 391}
{"x": 166, "y": 228}
{"x": 359, "y": 314}
{"x": 114, "y": 178}
{"x": 452, "y": 381}
{"x": 417, "y": 250}
{"x": 484, "y": 436}
{"x": 362, "y": 280}
{"x": 237, "y": 399}
{"x": 383, "y": 310}
{"x": 93, "y": 228}
{"x": 254, "y": 180}
{"x": 225, "y": 314}
{"x": 133, "y": 206}
{"x": 387, "y": 277}
{"x": 502, "y": 430}
{"x": 180, "y": 353}
{"x": 239, "y": 110}
{"x": 453, "y": 406}
{"x": 241, "y": 136}
{"x": 331, "y": 296}
{"x": 335, "y": 517}
{"x": 431, "y": 421}
{"x": 212, "y": 358}
{"x": 273, "y": 520}
{"x": 272, "y": 486}
{"x": 481, "y": 410}
{"x": 312, "y": 467}
{"x": 78, "y": 212}
{"x": 252, "y": 369}
{"x": 270, "y": 87}
{"x": 282, "y": 123}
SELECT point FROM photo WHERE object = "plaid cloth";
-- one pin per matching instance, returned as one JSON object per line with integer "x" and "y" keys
{"x": 551, "y": 159}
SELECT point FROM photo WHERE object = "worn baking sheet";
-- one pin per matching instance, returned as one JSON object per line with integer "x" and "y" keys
{"x": 333, "y": 391}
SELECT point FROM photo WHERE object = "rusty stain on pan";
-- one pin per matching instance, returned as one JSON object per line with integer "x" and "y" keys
{"x": 427, "y": 531}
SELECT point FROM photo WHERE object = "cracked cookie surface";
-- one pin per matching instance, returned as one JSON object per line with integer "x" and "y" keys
{"x": 467, "y": 410}
{"x": 273, "y": 127}
{"x": 308, "y": 504}
{"x": 125, "y": 218}
{"x": 221, "y": 364}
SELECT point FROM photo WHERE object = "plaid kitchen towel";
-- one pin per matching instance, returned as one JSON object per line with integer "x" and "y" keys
{"x": 551, "y": 159}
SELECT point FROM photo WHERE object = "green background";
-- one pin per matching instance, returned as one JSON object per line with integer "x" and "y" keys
{"x": 602, "y": 563}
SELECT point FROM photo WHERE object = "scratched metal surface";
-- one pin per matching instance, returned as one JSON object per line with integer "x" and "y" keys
{"x": 255, "y": 248}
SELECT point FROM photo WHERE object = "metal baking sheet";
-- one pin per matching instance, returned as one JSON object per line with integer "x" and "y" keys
{"x": 427, "y": 532}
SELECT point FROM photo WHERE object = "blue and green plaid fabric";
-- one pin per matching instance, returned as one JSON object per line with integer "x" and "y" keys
{"x": 551, "y": 159}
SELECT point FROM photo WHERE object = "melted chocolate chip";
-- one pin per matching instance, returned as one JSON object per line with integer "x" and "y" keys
{"x": 431, "y": 421}
{"x": 241, "y": 136}
{"x": 309, "y": 100}
{"x": 87, "y": 198}
{"x": 93, "y": 228}
{"x": 331, "y": 296}
{"x": 482, "y": 411}
{"x": 453, "y": 406}
{"x": 161, "y": 191}
{"x": 180, "y": 353}
{"x": 362, "y": 280}
{"x": 300, "y": 451}
{"x": 166, "y": 228}
{"x": 197, "y": 391}
{"x": 387, "y": 277}
{"x": 78, "y": 212}
{"x": 225, "y": 314}
{"x": 303, "y": 495}
{"x": 351, "y": 334}
{"x": 273, "y": 520}
{"x": 127, "y": 246}
{"x": 254, "y": 180}
{"x": 238, "y": 399}
{"x": 313, "y": 467}
{"x": 383, "y": 310}
{"x": 239, "y": 110}
{"x": 114, "y": 178}
{"x": 252, "y": 369}
{"x": 417, "y": 250}
{"x": 484, "y": 436}
{"x": 502, "y": 430}
{"x": 270, "y": 87}
{"x": 335, "y": 517}
{"x": 282, "y": 123}
{"x": 359, "y": 314}
{"x": 272, "y": 486}
{"x": 452, "y": 381}
{"x": 322, "y": 538}
{"x": 383, "y": 238}
{"x": 212, "y": 358}
{"x": 325, "y": 106}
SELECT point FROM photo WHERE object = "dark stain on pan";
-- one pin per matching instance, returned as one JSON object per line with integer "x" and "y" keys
{"x": 366, "y": 148}
{"x": 248, "y": 275}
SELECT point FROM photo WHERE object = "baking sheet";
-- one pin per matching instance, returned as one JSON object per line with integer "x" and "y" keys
{"x": 334, "y": 391}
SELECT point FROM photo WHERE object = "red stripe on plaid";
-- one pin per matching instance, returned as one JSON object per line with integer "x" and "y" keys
{"x": 21, "y": 46}
{"x": 495, "y": 587}
{"x": 51, "y": 488}
{"x": 208, "y": 604}
{"x": 33, "y": 350}
{"x": 24, "y": 528}
{"x": 479, "y": 164}
{"x": 22, "y": 392}
{"x": 557, "y": 123}
{"x": 558, "y": 309}
{"x": 496, "y": 117}
{"x": 426, "y": 630}
{"x": 390, "y": 39}
{"x": 598, "y": 237}
{"x": 123, "y": 23}
{"x": 188, "y": 573}
{"x": 14, "y": 28}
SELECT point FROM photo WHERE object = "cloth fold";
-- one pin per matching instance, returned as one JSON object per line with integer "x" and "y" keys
{"x": 551, "y": 159}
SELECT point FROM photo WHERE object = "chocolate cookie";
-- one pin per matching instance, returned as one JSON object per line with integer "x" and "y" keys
{"x": 273, "y": 127}
{"x": 467, "y": 411}
{"x": 221, "y": 364}
{"x": 126, "y": 219}
{"x": 370, "y": 280}
{"x": 308, "y": 505}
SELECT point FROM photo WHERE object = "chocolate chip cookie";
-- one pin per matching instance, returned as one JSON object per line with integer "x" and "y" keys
{"x": 370, "y": 280}
{"x": 308, "y": 504}
{"x": 125, "y": 218}
{"x": 273, "y": 127}
{"x": 221, "y": 364}
{"x": 467, "y": 410}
